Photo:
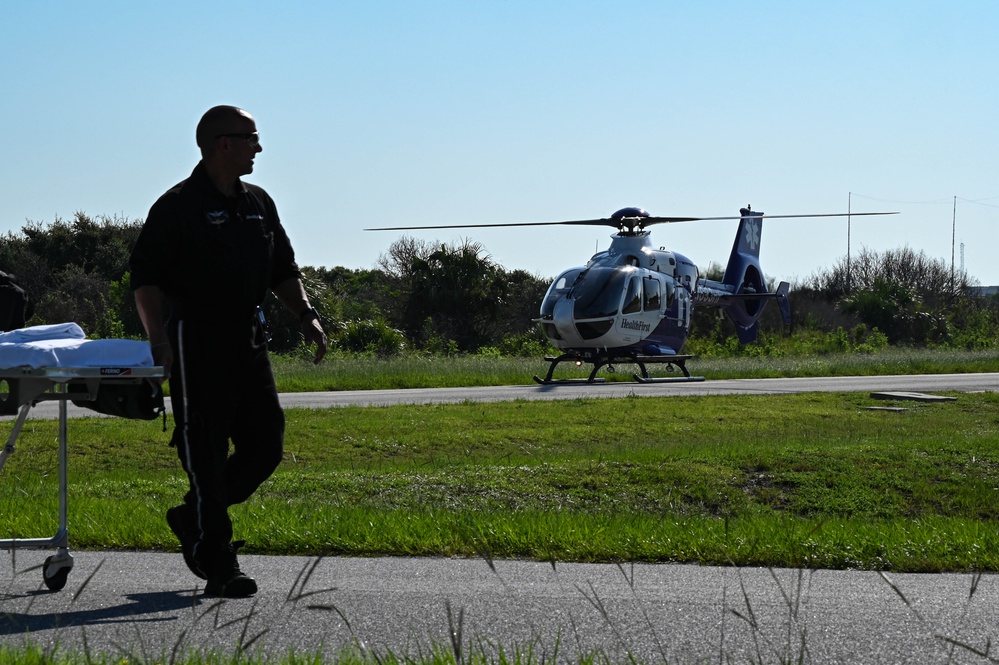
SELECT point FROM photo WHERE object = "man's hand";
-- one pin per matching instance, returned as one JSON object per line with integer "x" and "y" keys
{"x": 163, "y": 356}
{"x": 292, "y": 294}
{"x": 313, "y": 331}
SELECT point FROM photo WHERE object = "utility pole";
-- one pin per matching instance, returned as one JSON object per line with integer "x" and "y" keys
{"x": 849, "y": 201}
{"x": 953, "y": 228}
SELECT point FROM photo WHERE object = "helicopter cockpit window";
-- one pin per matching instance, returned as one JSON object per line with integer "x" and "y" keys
{"x": 633, "y": 296}
{"x": 653, "y": 299}
{"x": 599, "y": 295}
{"x": 559, "y": 288}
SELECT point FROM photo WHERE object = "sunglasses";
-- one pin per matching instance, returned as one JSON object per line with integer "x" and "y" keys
{"x": 252, "y": 139}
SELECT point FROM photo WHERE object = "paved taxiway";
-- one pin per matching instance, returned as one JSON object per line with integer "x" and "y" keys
{"x": 918, "y": 383}
{"x": 146, "y": 604}
{"x": 322, "y": 400}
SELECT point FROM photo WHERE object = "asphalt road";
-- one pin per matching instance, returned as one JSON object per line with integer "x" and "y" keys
{"x": 917, "y": 383}
{"x": 322, "y": 400}
{"x": 147, "y": 606}
{"x": 144, "y": 605}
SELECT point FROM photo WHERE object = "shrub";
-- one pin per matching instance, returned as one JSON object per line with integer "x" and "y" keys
{"x": 531, "y": 344}
{"x": 367, "y": 336}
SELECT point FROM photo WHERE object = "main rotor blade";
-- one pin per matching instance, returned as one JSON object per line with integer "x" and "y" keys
{"x": 667, "y": 220}
{"x": 616, "y": 223}
{"x": 581, "y": 222}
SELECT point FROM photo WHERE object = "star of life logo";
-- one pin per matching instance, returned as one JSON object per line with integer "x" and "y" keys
{"x": 751, "y": 235}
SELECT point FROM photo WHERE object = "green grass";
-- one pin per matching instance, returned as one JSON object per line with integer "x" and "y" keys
{"x": 475, "y": 652}
{"x": 808, "y": 481}
{"x": 353, "y": 372}
{"x": 815, "y": 480}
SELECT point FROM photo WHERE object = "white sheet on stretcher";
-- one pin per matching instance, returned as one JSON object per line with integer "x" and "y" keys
{"x": 65, "y": 345}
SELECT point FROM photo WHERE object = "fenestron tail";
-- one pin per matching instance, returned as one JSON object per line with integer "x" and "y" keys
{"x": 743, "y": 292}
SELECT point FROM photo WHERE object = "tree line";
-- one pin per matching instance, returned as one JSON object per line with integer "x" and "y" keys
{"x": 453, "y": 298}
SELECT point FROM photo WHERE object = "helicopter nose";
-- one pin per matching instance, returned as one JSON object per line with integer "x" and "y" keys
{"x": 563, "y": 321}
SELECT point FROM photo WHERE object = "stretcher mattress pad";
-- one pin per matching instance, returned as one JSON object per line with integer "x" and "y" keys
{"x": 65, "y": 345}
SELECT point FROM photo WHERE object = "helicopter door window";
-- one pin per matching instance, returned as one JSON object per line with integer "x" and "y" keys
{"x": 633, "y": 296}
{"x": 653, "y": 299}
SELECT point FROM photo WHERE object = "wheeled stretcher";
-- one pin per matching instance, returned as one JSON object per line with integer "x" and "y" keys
{"x": 112, "y": 376}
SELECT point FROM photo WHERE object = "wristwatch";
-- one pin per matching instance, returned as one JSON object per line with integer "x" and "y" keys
{"x": 308, "y": 311}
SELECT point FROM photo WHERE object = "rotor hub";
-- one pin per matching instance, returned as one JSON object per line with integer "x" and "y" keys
{"x": 630, "y": 220}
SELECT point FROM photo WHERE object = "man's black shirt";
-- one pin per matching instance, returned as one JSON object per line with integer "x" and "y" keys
{"x": 213, "y": 256}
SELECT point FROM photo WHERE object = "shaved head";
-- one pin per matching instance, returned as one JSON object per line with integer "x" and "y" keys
{"x": 220, "y": 120}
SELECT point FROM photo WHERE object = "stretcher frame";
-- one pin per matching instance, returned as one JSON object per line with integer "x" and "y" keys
{"x": 30, "y": 385}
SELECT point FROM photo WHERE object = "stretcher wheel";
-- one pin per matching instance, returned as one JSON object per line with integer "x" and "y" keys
{"x": 55, "y": 580}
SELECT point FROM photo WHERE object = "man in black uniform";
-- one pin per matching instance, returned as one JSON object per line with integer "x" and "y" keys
{"x": 210, "y": 249}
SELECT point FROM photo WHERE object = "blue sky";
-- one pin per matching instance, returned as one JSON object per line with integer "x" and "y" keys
{"x": 394, "y": 113}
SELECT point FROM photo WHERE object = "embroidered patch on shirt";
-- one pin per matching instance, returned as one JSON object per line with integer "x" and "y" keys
{"x": 217, "y": 216}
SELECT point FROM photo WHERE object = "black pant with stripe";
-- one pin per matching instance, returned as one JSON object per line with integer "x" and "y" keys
{"x": 223, "y": 392}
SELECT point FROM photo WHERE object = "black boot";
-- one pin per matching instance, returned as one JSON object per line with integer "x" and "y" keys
{"x": 225, "y": 579}
{"x": 179, "y": 518}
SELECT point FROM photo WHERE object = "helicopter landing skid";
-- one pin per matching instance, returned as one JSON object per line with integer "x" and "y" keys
{"x": 642, "y": 377}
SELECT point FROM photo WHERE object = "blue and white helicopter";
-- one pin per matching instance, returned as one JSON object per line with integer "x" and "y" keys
{"x": 633, "y": 302}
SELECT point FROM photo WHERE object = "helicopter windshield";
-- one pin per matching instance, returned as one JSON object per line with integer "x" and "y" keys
{"x": 559, "y": 288}
{"x": 599, "y": 295}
